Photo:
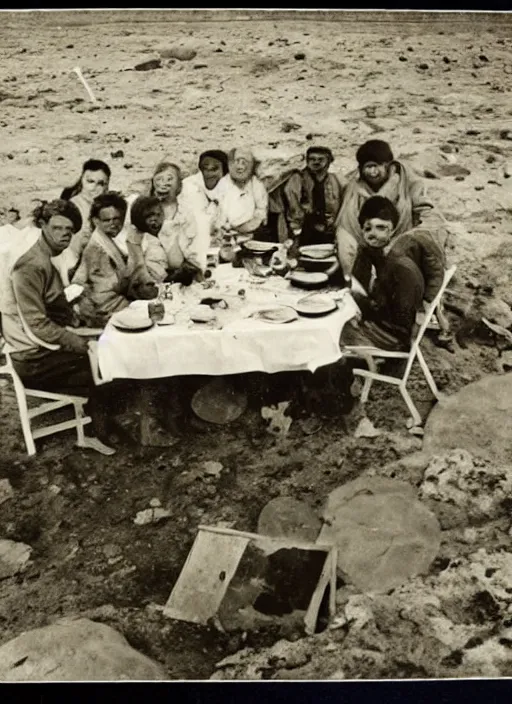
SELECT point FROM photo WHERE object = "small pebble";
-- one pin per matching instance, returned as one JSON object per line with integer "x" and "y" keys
{"x": 423, "y": 67}
{"x": 479, "y": 188}
{"x": 300, "y": 56}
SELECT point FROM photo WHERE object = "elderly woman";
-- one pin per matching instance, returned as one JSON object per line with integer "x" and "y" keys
{"x": 111, "y": 278}
{"x": 244, "y": 205}
{"x": 141, "y": 235}
{"x": 94, "y": 180}
{"x": 202, "y": 192}
{"x": 378, "y": 174}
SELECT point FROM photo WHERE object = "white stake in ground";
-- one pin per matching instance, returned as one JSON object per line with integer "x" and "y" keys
{"x": 85, "y": 84}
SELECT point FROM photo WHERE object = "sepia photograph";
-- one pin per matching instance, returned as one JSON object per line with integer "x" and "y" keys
{"x": 255, "y": 345}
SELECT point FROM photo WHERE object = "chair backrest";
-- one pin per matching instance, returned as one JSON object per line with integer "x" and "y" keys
{"x": 428, "y": 317}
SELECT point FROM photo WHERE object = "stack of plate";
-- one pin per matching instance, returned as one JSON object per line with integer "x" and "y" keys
{"x": 319, "y": 257}
{"x": 131, "y": 320}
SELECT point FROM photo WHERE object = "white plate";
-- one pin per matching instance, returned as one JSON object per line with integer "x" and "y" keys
{"x": 279, "y": 314}
{"x": 258, "y": 246}
{"x": 315, "y": 305}
{"x": 131, "y": 319}
{"x": 202, "y": 314}
{"x": 317, "y": 251}
{"x": 309, "y": 278}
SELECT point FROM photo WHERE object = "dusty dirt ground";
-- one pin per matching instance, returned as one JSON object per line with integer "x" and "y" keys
{"x": 437, "y": 89}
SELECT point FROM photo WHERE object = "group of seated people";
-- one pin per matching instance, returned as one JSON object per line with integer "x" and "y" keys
{"x": 378, "y": 218}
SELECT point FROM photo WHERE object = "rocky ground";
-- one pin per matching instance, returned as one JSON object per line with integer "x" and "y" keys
{"x": 439, "y": 92}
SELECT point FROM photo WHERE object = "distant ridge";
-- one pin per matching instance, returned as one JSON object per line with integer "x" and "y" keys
{"x": 349, "y": 17}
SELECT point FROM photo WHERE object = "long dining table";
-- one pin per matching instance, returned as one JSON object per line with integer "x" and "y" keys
{"x": 236, "y": 341}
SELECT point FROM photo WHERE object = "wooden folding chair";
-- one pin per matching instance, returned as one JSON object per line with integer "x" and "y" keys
{"x": 55, "y": 402}
{"x": 373, "y": 354}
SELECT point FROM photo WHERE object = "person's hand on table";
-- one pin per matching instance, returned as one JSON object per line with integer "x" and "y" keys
{"x": 146, "y": 291}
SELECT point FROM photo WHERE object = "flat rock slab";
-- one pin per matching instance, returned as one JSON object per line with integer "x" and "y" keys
{"x": 476, "y": 419}
{"x": 384, "y": 535}
{"x": 74, "y": 650}
{"x": 288, "y": 518}
{"x": 13, "y": 557}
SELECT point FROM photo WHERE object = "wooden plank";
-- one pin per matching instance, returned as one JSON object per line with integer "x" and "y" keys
{"x": 311, "y": 617}
{"x": 257, "y": 537}
{"x": 202, "y": 584}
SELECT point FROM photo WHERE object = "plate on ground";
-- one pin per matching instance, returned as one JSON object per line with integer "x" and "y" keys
{"x": 218, "y": 402}
{"x": 313, "y": 306}
{"x": 317, "y": 251}
{"x": 279, "y": 314}
{"x": 309, "y": 279}
{"x": 284, "y": 517}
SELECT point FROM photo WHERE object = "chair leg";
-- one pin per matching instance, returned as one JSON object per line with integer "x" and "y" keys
{"x": 79, "y": 415}
{"x": 428, "y": 375}
{"x": 366, "y": 389}
{"x": 410, "y": 405}
{"x": 24, "y": 418}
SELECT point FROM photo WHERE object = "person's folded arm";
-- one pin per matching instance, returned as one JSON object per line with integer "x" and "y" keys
{"x": 29, "y": 287}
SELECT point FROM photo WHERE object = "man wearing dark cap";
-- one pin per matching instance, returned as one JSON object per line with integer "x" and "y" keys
{"x": 379, "y": 173}
{"x": 313, "y": 198}
{"x": 409, "y": 270}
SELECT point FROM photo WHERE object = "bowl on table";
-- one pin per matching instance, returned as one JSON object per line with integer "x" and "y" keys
{"x": 317, "y": 264}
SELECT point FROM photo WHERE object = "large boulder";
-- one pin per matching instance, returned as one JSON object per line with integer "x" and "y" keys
{"x": 476, "y": 419}
{"x": 74, "y": 650}
{"x": 384, "y": 535}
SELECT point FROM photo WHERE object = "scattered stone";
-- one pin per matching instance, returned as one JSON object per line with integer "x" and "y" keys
{"x": 213, "y": 469}
{"x": 423, "y": 67}
{"x": 117, "y": 154}
{"x": 74, "y": 650}
{"x": 490, "y": 159}
{"x": 483, "y": 58}
{"x": 506, "y": 134}
{"x": 179, "y": 53}
{"x": 446, "y": 60}
{"x": 497, "y": 311}
{"x": 290, "y": 126}
{"x": 280, "y": 423}
{"x": 111, "y": 550}
{"x": 151, "y": 515}
{"x": 150, "y": 65}
{"x": 507, "y": 170}
{"x": 13, "y": 558}
{"x": 383, "y": 534}
{"x": 55, "y": 489}
{"x": 196, "y": 66}
{"x": 458, "y": 478}
{"x": 479, "y": 188}
{"x": 284, "y": 517}
{"x": 300, "y": 56}
{"x": 366, "y": 429}
{"x": 155, "y": 503}
{"x": 476, "y": 418}
{"x": 402, "y": 58}
{"x": 6, "y": 490}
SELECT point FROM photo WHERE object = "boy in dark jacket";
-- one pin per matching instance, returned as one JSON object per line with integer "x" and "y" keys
{"x": 409, "y": 270}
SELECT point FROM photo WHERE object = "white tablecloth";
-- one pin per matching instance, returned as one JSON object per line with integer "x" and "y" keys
{"x": 242, "y": 345}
